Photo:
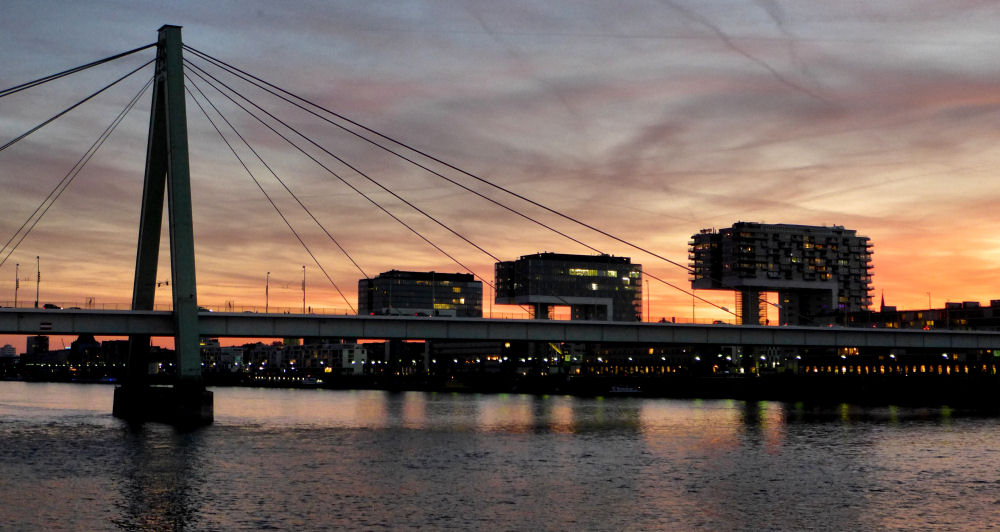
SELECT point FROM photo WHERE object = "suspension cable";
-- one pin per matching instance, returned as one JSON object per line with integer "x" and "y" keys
{"x": 270, "y": 200}
{"x": 74, "y": 171}
{"x": 74, "y": 106}
{"x": 245, "y": 75}
{"x": 428, "y": 156}
{"x": 275, "y": 175}
{"x": 350, "y": 166}
{"x": 39, "y": 81}
{"x": 197, "y": 71}
{"x": 201, "y": 74}
{"x": 247, "y": 78}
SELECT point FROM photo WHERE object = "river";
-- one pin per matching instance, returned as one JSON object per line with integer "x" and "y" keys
{"x": 371, "y": 460}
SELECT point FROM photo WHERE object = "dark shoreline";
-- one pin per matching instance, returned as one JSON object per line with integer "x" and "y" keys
{"x": 980, "y": 393}
{"x": 973, "y": 392}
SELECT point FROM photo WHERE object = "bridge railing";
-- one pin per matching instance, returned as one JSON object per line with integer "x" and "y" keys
{"x": 335, "y": 311}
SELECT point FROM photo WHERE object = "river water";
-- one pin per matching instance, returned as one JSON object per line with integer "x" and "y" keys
{"x": 372, "y": 460}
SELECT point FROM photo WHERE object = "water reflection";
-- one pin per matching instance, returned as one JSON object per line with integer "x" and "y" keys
{"x": 679, "y": 427}
{"x": 414, "y": 414}
{"x": 161, "y": 485}
{"x": 506, "y": 413}
{"x": 318, "y": 408}
{"x": 560, "y": 415}
{"x": 849, "y": 414}
{"x": 315, "y": 459}
{"x": 763, "y": 424}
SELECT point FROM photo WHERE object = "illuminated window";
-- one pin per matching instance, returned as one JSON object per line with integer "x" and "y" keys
{"x": 582, "y": 272}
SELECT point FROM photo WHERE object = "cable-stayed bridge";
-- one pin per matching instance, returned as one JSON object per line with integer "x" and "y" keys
{"x": 178, "y": 80}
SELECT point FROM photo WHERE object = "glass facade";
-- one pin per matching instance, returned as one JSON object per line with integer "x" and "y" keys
{"x": 816, "y": 270}
{"x": 595, "y": 287}
{"x": 421, "y": 294}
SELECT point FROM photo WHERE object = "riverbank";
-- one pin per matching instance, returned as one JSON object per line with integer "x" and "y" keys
{"x": 979, "y": 392}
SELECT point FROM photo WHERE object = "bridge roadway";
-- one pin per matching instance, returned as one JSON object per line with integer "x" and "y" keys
{"x": 253, "y": 325}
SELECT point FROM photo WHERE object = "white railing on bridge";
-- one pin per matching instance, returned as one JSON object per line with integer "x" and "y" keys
{"x": 319, "y": 311}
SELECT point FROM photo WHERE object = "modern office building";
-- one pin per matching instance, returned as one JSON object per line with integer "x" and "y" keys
{"x": 595, "y": 287}
{"x": 816, "y": 270}
{"x": 421, "y": 293}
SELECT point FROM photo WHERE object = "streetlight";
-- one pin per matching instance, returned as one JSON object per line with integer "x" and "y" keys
{"x": 17, "y": 281}
{"x": 267, "y": 292}
{"x": 38, "y": 278}
{"x": 692, "y": 305}
{"x": 303, "y": 288}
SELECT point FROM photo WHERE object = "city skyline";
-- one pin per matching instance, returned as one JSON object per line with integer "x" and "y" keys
{"x": 651, "y": 120}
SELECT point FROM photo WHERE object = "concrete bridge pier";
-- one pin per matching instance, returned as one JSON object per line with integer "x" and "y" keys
{"x": 167, "y": 176}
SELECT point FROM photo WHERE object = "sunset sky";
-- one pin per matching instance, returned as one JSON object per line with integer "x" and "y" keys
{"x": 650, "y": 119}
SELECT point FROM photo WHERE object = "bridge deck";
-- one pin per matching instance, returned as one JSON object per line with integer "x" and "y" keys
{"x": 220, "y": 324}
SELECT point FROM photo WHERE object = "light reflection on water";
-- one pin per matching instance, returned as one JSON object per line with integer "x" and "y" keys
{"x": 317, "y": 459}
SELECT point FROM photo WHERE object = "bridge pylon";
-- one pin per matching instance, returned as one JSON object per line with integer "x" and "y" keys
{"x": 167, "y": 171}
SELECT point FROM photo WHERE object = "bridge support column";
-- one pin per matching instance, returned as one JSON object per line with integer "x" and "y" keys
{"x": 187, "y": 402}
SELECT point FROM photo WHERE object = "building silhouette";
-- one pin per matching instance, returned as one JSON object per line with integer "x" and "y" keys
{"x": 595, "y": 287}
{"x": 816, "y": 270}
{"x": 36, "y": 344}
{"x": 965, "y": 315}
{"x": 421, "y": 293}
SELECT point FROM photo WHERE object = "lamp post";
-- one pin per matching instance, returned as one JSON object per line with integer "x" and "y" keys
{"x": 38, "y": 278}
{"x": 303, "y": 288}
{"x": 17, "y": 282}
{"x": 267, "y": 293}
{"x": 649, "y": 317}
{"x": 692, "y": 305}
